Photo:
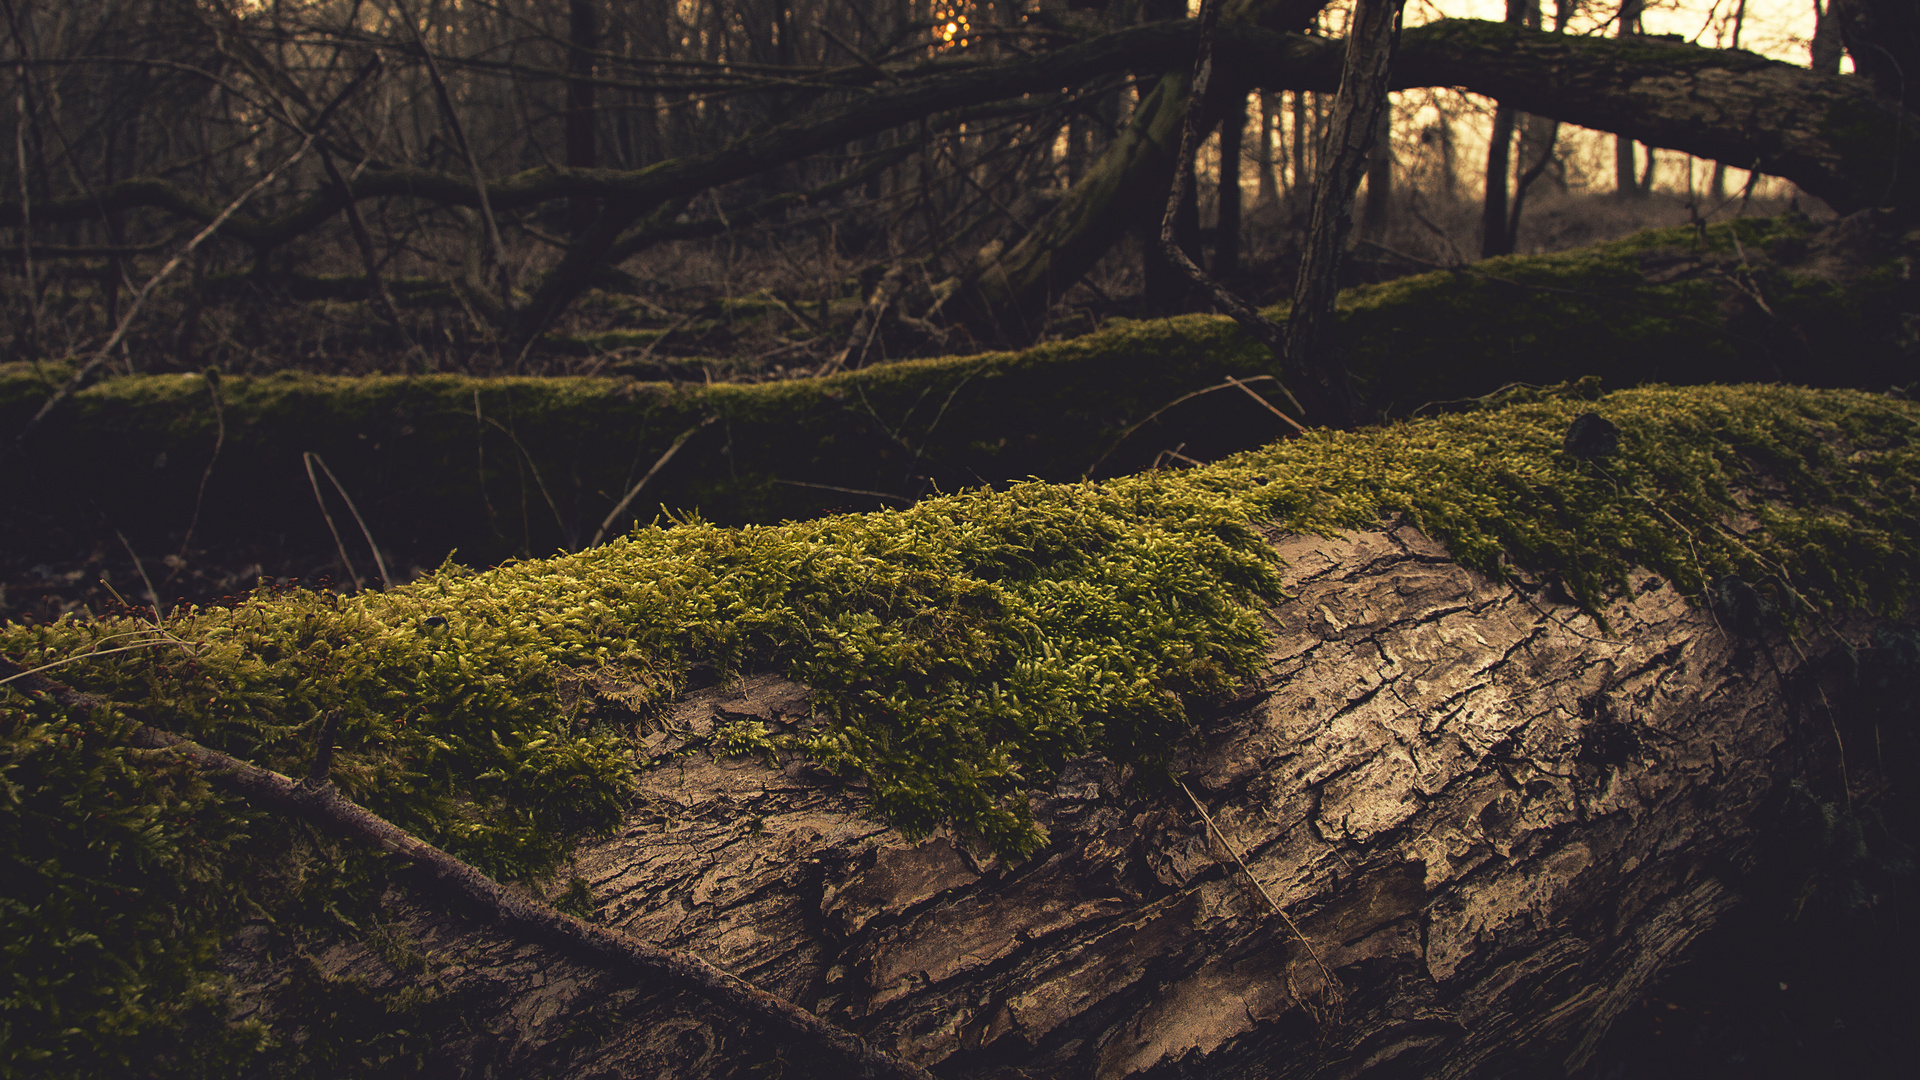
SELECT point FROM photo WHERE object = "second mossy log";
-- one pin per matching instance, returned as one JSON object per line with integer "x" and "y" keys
{"x": 505, "y": 467}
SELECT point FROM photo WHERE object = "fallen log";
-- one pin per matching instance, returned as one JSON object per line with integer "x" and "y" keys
{"x": 504, "y": 467}
{"x": 1445, "y": 809}
{"x": 1494, "y": 825}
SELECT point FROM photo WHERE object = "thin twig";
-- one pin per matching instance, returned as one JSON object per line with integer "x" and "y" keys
{"x": 152, "y": 594}
{"x": 1214, "y": 830}
{"x": 868, "y": 324}
{"x": 480, "y": 464}
{"x": 544, "y": 493}
{"x": 212, "y": 377}
{"x": 321, "y": 803}
{"x": 1268, "y": 405}
{"x": 863, "y": 58}
{"x": 843, "y": 490}
{"x": 338, "y": 544}
{"x": 322, "y": 766}
{"x": 646, "y": 353}
{"x": 627, "y": 500}
{"x": 22, "y": 673}
{"x": 1264, "y": 330}
{"x": 1833, "y": 723}
{"x": 1173, "y": 454}
{"x": 26, "y": 202}
{"x": 1155, "y": 414}
{"x": 313, "y": 459}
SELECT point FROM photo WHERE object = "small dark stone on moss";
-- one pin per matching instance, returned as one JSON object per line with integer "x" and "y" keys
{"x": 1591, "y": 435}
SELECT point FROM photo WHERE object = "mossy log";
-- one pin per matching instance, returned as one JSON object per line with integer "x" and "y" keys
{"x": 1501, "y": 708}
{"x": 501, "y": 467}
{"x": 1491, "y": 826}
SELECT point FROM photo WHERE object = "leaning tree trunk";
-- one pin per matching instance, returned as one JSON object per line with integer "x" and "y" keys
{"x": 1004, "y": 296}
{"x": 1488, "y": 824}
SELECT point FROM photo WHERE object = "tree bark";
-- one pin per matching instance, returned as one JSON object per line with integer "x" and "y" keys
{"x": 1327, "y": 392}
{"x": 1625, "y": 185}
{"x": 1825, "y": 49}
{"x": 1491, "y": 823}
{"x": 1493, "y": 206}
{"x": 1831, "y": 135}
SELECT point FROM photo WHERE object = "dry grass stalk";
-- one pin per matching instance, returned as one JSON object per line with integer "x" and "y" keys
{"x": 313, "y": 459}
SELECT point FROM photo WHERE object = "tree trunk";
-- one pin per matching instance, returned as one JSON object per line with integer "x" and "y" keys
{"x": 1226, "y": 243}
{"x": 1490, "y": 825}
{"x": 1883, "y": 37}
{"x": 1379, "y": 203}
{"x": 1353, "y": 128}
{"x": 1004, "y": 296}
{"x": 583, "y": 38}
{"x": 1267, "y": 191}
{"x": 1538, "y": 136}
{"x": 1625, "y": 176}
{"x": 1833, "y": 136}
{"x": 1493, "y": 215}
{"x": 1493, "y": 206}
{"x": 1168, "y": 291}
{"x": 1298, "y": 186}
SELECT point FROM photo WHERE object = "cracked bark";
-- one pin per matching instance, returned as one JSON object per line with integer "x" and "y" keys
{"x": 1496, "y": 824}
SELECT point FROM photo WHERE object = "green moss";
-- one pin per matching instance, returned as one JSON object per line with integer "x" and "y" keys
{"x": 113, "y": 905}
{"x": 961, "y": 649}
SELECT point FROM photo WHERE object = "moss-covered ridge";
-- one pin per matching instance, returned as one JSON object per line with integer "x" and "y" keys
{"x": 496, "y": 467}
{"x": 965, "y": 644}
{"x": 961, "y": 648}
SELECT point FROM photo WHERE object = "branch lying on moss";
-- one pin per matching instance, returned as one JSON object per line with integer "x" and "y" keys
{"x": 322, "y": 804}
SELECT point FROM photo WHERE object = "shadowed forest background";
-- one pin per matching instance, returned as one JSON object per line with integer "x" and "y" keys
{"x": 516, "y": 208}
{"x": 331, "y": 293}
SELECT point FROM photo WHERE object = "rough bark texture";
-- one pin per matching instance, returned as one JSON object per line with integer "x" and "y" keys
{"x": 1494, "y": 823}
